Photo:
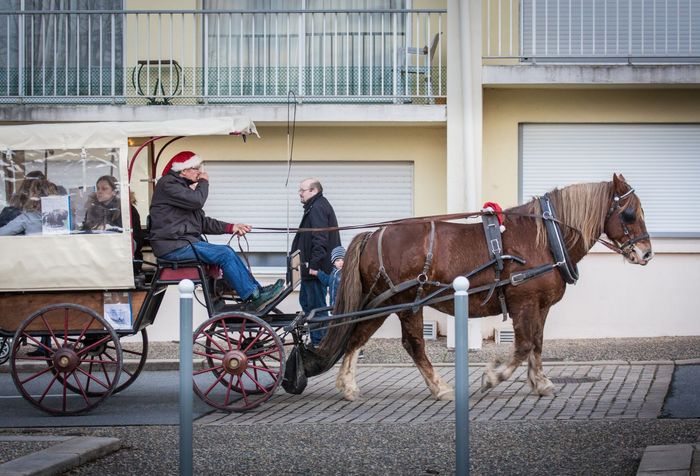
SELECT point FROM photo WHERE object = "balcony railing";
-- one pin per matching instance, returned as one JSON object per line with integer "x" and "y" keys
{"x": 592, "y": 31}
{"x": 194, "y": 57}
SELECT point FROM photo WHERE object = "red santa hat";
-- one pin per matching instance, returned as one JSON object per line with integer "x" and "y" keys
{"x": 183, "y": 160}
{"x": 496, "y": 208}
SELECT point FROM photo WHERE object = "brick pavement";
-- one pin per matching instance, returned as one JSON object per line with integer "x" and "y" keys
{"x": 397, "y": 393}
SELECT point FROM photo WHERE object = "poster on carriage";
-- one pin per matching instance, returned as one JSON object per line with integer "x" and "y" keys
{"x": 55, "y": 215}
{"x": 117, "y": 309}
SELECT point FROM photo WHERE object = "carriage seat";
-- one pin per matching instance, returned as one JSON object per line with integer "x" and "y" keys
{"x": 172, "y": 272}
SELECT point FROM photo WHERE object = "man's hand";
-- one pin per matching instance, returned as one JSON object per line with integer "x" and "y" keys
{"x": 241, "y": 229}
{"x": 203, "y": 176}
{"x": 313, "y": 272}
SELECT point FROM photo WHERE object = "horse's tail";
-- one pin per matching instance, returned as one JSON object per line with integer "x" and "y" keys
{"x": 348, "y": 299}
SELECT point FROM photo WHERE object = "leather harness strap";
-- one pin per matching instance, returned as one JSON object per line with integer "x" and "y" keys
{"x": 568, "y": 269}
{"x": 492, "y": 232}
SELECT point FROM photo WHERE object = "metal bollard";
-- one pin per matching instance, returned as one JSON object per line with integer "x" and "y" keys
{"x": 186, "y": 294}
{"x": 461, "y": 284}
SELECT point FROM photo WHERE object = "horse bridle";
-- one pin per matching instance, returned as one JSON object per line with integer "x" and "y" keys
{"x": 625, "y": 248}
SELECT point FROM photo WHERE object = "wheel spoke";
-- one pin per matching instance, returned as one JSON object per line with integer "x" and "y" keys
{"x": 216, "y": 382}
{"x": 94, "y": 344}
{"x": 82, "y": 392}
{"x": 38, "y": 374}
{"x": 92, "y": 377}
{"x": 255, "y": 381}
{"x": 210, "y": 369}
{"x": 41, "y": 399}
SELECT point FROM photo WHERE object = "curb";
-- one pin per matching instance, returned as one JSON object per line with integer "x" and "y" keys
{"x": 670, "y": 459}
{"x": 58, "y": 459}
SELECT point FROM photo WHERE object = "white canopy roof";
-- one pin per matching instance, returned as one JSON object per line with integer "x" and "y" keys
{"x": 88, "y": 261}
{"x": 113, "y": 134}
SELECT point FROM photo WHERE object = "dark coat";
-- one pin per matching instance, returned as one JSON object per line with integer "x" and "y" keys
{"x": 177, "y": 215}
{"x": 316, "y": 247}
{"x": 100, "y": 215}
{"x": 8, "y": 214}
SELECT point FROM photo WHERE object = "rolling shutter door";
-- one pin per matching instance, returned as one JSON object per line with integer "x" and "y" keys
{"x": 661, "y": 161}
{"x": 254, "y": 193}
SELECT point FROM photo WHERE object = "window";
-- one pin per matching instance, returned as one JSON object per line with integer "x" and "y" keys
{"x": 661, "y": 161}
{"x": 616, "y": 28}
{"x": 61, "y": 54}
{"x": 82, "y": 193}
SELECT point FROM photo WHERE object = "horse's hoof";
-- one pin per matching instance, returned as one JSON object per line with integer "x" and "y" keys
{"x": 547, "y": 391}
{"x": 485, "y": 383}
{"x": 446, "y": 395}
{"x": 351, "y": 395}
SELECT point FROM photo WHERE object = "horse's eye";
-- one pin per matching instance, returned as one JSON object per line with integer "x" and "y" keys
{"x": 628, "y": 215}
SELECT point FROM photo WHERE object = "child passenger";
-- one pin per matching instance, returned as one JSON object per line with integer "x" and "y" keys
{"x": 332, "y": 281}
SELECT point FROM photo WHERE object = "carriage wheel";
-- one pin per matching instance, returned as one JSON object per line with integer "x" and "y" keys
{"x": 4, "y": 349}
{"x": 133, "y": 360}
{"x": 244, "y": 361}
{"x": 74, "y": 379}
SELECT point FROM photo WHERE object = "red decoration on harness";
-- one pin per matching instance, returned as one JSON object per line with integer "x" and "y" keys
{"x": 496, "y": 208}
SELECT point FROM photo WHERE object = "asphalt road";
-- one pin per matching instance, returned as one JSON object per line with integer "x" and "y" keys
{"x": 683, "y": 399}
{"x": 151, "y": 400}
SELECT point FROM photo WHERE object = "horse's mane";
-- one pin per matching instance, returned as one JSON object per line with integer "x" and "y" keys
{"x": 582, "y": 207}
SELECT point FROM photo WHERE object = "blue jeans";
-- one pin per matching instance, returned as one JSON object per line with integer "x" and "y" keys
{"x": 312, "y": 295}
{"x": 235, "y": 272}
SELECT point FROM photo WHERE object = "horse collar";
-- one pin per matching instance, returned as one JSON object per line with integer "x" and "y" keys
{"x": 568, "y": 270}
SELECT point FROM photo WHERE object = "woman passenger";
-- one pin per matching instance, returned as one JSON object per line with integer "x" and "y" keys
{"x": 103, "y": 207}
{"x": 28, "y": 222}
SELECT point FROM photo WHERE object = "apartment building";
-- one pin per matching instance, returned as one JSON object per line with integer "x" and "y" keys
{"x": 356, "y": 92}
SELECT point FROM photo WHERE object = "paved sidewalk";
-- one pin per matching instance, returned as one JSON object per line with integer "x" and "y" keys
{"x": 397, "y": 393}
{"x": 395, "y": 396}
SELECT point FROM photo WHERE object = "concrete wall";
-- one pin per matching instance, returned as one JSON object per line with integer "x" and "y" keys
{"x": 612, "y": 299}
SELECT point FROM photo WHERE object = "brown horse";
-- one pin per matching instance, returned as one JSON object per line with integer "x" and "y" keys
{"x": 583, "y": 211}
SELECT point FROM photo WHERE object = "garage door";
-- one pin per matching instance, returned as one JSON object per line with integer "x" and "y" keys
{"x": 662, "y": 162}
{"x": 255, "y": 193}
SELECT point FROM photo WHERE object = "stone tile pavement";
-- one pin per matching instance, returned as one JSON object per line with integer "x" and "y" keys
{"x": 396, "y": 393}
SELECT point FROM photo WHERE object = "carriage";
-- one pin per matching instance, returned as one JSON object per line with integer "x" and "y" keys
{"x": 75, "y": 304}
{"x": 77, "y": 311}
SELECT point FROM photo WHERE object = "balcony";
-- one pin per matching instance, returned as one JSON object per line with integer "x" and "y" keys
{"x": 179, "y": 57}
{"x": 591, "y": 42}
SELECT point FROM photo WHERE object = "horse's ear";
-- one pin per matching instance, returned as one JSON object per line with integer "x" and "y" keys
{"x": 618, "y": 181}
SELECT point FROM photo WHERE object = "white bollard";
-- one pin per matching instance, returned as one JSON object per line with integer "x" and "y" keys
{"x": 186, "y": 294}
{"x": 461, "y": 284}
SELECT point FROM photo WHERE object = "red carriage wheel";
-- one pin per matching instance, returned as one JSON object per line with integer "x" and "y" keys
{"x": 244, "y": 361}
{"x": 134, "y": 355}
{"x": 75, "y": 377}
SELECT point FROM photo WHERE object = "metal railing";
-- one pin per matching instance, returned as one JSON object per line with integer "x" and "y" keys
{"x": 592, "y": 31}
{"x": 222, "y": 56}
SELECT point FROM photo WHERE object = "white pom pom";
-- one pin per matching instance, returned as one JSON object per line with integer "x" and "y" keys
{"x": 502, "y": 228}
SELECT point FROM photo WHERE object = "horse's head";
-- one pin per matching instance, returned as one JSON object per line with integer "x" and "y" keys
{"x": 624, "y": 223}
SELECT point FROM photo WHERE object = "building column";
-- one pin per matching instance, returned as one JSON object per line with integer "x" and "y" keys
{"x": 464, "y": 122}
{"x": 464, "y": 106}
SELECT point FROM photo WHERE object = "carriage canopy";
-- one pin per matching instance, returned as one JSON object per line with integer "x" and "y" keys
{"x": 71, "y": 250}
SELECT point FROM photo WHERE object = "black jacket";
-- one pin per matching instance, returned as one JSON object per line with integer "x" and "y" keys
{"x": 316, "y": 247}
{"x": 177, "y": 215}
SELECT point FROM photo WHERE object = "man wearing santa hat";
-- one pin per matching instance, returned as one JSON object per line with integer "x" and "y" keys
{"x": 178, "y": 222}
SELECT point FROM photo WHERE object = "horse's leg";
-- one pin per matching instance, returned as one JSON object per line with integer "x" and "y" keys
{"x": 414, "y": 343}
{"x": 535, "y": 375}
{"x": 525, "y": 325}
{"x": 346, "y": 382}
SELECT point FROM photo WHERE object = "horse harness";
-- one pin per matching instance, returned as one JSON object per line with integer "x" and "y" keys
{"x": 625, "y": 218}
{"x": 492, "y": 233}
